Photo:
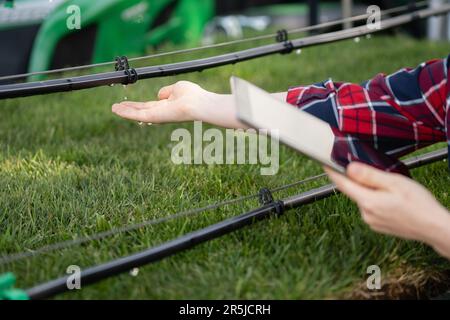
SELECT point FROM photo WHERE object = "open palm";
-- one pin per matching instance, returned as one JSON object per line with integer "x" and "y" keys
{"x": 177, "y": 102}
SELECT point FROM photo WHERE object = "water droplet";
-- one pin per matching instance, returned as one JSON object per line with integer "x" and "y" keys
{"x": 299, "y": 51}
{"x": 140, "y": 123}
{"x": 368, "y": 36}
{"x": 356, "y": 39}
{"x": 111, "y": 85}
{"x": 134, "y": 272}
{"x": 125, "y": 98}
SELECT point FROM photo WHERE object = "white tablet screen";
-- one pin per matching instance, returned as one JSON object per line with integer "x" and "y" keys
{"x": 297, "y": 129}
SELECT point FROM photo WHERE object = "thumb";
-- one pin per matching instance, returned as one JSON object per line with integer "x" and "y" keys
{"x": 165, "y": 92}
{"x": 370, "y": 176}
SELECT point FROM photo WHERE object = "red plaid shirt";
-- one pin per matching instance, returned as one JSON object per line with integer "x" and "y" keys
{"x": 384, "y": 118}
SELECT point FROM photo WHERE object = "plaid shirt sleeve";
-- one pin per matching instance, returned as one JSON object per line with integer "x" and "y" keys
{"x": 384, "y": 118}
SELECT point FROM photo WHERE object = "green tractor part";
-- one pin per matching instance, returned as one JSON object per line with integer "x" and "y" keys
{"x": 107, "y": 28}
{"x": 7, "y": 290}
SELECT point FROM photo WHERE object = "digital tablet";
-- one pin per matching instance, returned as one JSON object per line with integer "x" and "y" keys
{"x": 295, "y": 128}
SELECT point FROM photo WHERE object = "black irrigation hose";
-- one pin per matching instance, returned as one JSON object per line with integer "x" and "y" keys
{"x": 6, "y": 259}
{"x": 133, "y": 75}
{"x": 275, "y": 208}
{"x": 222, "y": 44}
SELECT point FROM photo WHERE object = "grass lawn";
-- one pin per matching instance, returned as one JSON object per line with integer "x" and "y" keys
{"x": 69, "y": 167}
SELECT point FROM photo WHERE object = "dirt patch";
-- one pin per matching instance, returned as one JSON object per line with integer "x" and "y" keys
{"x": 406, "y": 283}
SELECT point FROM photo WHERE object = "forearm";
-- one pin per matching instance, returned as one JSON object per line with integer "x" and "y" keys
{"x": 220, "y": 110}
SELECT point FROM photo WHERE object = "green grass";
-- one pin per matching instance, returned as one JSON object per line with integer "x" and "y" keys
{"x": 69, "y": 167}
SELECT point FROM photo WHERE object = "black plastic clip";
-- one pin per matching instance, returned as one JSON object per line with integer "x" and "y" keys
{"x": 132, "y": 76}
{"x": 279, "y": 207}
{"x": 283, "y": 36}
{"x": 265, "y": 196}
{"x": 122, "y": 63}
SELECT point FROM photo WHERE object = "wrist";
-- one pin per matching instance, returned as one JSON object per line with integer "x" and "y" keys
{"x": 219, "y": 109}
{"x": 199, "y": 103}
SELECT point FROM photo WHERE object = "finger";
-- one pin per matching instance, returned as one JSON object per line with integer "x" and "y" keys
{"x": 379, "y": 229}
{"x": 165, "y": 92}
{"x": 370, "y": 176}
{"x": 370, "y": 219}
{"x": 128, "y": 104}
{"x": 160, "y": 112}
{"x": 366, "y": 215}
{"x": 355, "y": 191}
{"x": 137, "y": 105}
{"x": 128, "y": 112}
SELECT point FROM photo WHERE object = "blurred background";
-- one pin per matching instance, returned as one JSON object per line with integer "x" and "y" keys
{"x": 38, "y": 35}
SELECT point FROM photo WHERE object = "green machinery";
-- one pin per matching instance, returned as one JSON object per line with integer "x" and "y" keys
{"x": 40, "y": 34}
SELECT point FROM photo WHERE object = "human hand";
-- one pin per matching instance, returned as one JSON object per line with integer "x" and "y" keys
{"x": 182, "y": 101}
{"x": 396, "y": 205}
